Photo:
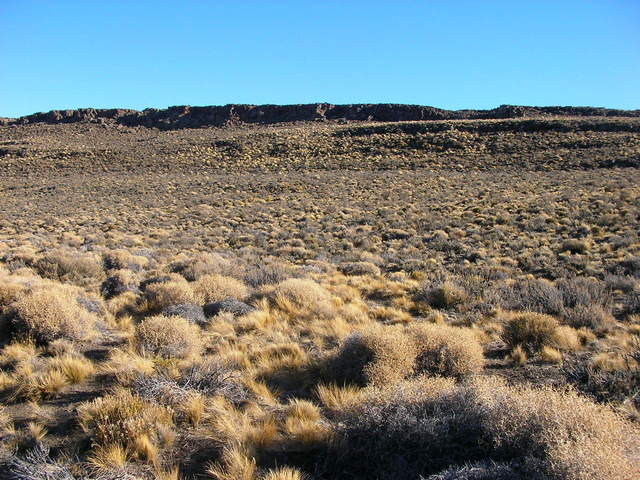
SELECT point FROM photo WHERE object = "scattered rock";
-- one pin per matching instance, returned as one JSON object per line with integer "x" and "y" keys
{"x": 231, "y": 305}
{"x": 192, "y": 312}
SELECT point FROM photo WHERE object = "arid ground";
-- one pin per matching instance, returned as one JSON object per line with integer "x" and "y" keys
{"x": 442, "y": 299}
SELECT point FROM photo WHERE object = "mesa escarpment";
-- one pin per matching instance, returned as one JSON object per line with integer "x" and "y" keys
{"x": 529, "y": 143}
{"x": 186, "y": 116}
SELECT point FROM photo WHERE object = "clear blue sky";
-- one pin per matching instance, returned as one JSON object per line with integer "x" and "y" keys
{"x": 449, "y": 54}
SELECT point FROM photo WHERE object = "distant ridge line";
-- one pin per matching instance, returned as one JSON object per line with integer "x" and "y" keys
{"x": 185, "y": 116}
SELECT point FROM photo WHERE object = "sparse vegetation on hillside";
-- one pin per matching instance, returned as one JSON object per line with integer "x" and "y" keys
{"x": 438, "y": 300}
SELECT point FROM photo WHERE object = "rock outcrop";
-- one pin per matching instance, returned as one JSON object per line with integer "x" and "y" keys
{"x": 194, "y": 117}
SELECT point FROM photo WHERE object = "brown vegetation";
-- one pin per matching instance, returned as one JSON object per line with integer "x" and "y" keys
{"x": 439, "y": 300}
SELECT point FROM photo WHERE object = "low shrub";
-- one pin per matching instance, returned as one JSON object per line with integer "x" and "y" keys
{"x": 207, "y": 264}
{"x": 36, "y": 464}
{"x": 591, "y": 316}
{"x": 632, "y": 303}
{"x": 379, "y": 356}
{"x": 49, "y": 313}
{"x": 531, "y": 330}
{"x": 209, "y": 378}
{"x": 574, "y": 245}
{"x": 165, "y": 294}
{"x": 581, "y": 291}
{"x": 629, "y": 266}
{"x": 424, "y": 426}
{"x": 303, "y": 294}
{"x": 623, "y": 283}
{"x": 168, "y": 337}
{"x": 445, "y": 295}
{"x": 69, "y": 267}
{"x": 359, "y": 268}
{"x": 213, "y": 378}
{"x": 532, "y": 295}
{"x": 608, "y": 385}
{"x": 446, "y": 351}
{"x": 214, "y": 288}
{"x": 230, "y": 305}
{"x": 485, "y": 470}
{"x": 122, "y": 259}
{"x": 161, "y": 389}
{"x": 119, "y": 282}
{"x": 268, "y": 274}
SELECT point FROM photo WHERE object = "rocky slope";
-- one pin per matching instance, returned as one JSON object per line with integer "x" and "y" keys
{"x": 193, "y": 117}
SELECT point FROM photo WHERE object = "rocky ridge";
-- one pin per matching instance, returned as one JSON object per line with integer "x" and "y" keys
{"x": 178, "y": 117}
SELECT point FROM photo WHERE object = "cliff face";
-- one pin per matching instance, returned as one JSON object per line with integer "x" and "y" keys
{"x": 194, "y": 117}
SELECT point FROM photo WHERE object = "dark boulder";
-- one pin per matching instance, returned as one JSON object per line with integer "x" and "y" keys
{"x": 230, "y": 305}
{"x": 116, "y": 285}
{"x": 192, "y": 312}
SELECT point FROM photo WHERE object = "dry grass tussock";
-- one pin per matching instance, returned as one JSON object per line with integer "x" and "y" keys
{"x": 123, "y": 418}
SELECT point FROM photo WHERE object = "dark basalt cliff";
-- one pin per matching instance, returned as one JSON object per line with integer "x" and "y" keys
{"x": 194, "y": 117}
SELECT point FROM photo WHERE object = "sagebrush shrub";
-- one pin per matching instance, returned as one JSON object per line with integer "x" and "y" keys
{"x": 192, "y": 312}
{"x": 581, "y": 291}
{"x": 530, "y": 330}
{"x": 268, "y": 274}
{"x": 165, "y": 294}
{"x": 632, "y": 303}
{"x": 425, "y": 425}
{"x": 444, "y": 295}
{"x": 591, "y": 316}
{"x": 122, "y": 259}
{"x": 214, "y": 378}
{"x": 446, "y": 351}
{"x": 230, "y": 305}
{"x": 206, "y": 264}
{"x": 533, "y": 295}
{"x": 376, "y": 357}
{"x": 119, "y": 282}
{"x": 48, "y": 313}
{"x": 214, "y": 288}
{"x": 624, "y": 283}
{"x": 574, "y": 245}
{"x": 36, "y": 464}
{"x": 303, "y": 294}
{"x": 629, "y": 266}
{"x": 487, "y": 470}
{"x": 168, "y": 337}
{"x": 71, "y": 267}
{"x": 359, "y": 268}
